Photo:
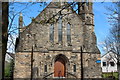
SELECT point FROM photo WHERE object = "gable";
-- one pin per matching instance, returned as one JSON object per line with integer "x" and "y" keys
{"x": 53, "y": 10}
{"x": 37, "y": 33}
{"x": 109, "y": 52}
{"x": 110, "y": 56}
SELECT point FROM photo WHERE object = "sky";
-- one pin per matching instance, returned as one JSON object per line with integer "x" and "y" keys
{"x": 102, "y": 25}
{"x": 100, "y": 19}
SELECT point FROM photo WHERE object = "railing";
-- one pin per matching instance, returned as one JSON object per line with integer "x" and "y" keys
{"x": 48, "y": 75}
{"x": 53, "y": 73}
{"x": 72, "y": 74}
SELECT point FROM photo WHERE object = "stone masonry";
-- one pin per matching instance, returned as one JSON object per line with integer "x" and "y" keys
{"x": 45, "y": 52}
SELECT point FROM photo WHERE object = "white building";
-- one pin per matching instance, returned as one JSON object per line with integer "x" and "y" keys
{"x": 9, "y": 56}
{"x": 108, "y": 62}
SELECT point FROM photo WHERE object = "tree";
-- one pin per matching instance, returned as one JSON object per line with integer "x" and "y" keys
{"x": 9, "y": 69}
{"x": 4, "y": 33}
{"x": 112, "y": 42}
{"x": 0, "y": 40}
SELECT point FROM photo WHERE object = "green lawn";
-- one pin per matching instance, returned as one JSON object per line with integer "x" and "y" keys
{"x": 106, "y": 75}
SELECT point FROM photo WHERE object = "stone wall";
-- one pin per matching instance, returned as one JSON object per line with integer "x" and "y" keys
{"x": 23, "y": 64}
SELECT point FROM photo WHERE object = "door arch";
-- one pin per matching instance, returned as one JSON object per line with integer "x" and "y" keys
{"x": 60, "y": 65}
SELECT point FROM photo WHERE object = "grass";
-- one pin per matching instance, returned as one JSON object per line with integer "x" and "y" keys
{"x": 110, "y": 74}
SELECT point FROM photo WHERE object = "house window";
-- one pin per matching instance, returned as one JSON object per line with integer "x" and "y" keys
{"x": 74, "y": 68}
{"x": 68, "y": 32}
{"x": 104, "y": 63}
{"x": 60, "y": 29}
{"x": 112, "y": 64}
{"x": 45, "y": 68}
{"x": 52, "y": 33}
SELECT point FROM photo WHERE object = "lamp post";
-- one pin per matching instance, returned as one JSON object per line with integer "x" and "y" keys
{"x": 81, "y": 60}
{"x": 32, "y": 64}
{"x": 32, "y": 60}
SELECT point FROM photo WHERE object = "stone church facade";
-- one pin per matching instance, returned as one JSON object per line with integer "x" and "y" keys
{"x": 52, "y": 44}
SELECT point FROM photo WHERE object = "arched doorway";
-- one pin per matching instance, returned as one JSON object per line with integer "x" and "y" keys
{"x": 60, "y": 66}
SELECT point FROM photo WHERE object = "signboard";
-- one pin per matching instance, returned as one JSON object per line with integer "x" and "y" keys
{"x": 98, "y": 60}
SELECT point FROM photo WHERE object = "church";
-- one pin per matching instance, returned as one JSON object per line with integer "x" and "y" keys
{"x": 58, "y": 43}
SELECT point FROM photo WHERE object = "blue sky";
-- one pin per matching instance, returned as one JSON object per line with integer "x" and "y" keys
{"x": 100, "y": 19}
{"x": 102, "y": 25}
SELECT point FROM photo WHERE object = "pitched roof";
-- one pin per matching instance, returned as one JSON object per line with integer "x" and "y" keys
{"x": 54, "y": 5}
{"x": 108, "y": 53}
{"x": 11, "y": 55}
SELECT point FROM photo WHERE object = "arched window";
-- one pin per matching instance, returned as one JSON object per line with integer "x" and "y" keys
{"x": 60, "y": 29}
{"x": 68, "y": 32}
{"x": 52, "y": 33}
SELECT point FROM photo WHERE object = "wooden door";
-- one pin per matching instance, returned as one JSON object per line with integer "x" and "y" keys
{"x": 59, "y": 68}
